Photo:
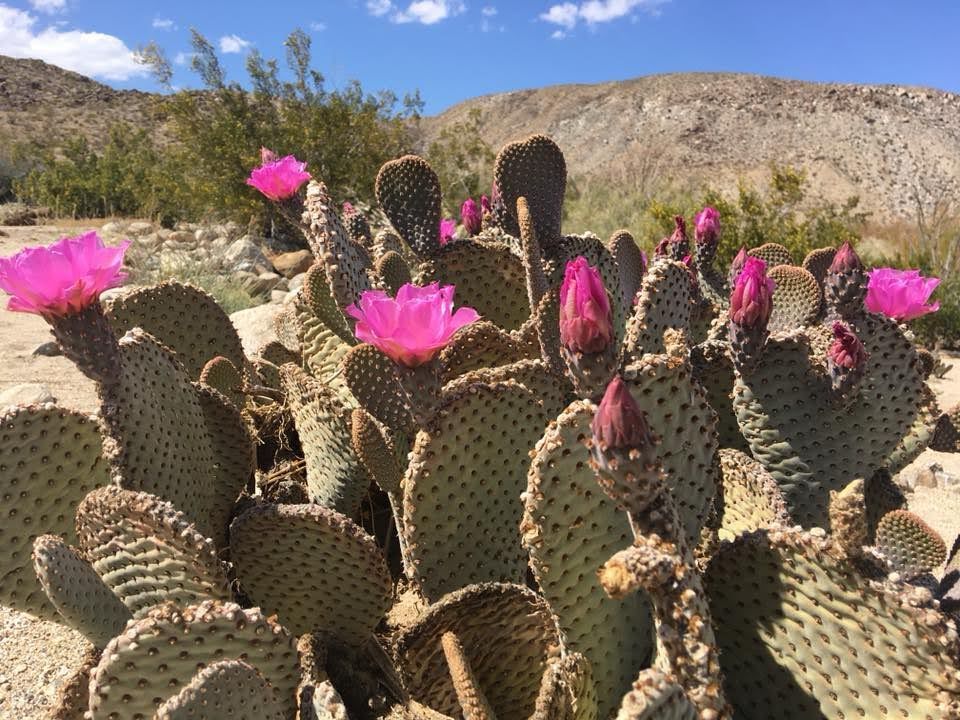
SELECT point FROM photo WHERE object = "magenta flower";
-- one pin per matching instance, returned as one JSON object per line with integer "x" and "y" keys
{"x": 66, "y": 276}
{"x": 752, "y": 299}
{"x": 619, "y": 423}
{"x": 900, "y": 294}
{"x": 448, "y": 226}
{"x": 471, "y": 216}
{"x": 278, "y": 179}
{"x": 846, "y": 350}
{"x": 707, "y": 226}
{"x": 586, "y": 323}
{"x": 413, "y": 327}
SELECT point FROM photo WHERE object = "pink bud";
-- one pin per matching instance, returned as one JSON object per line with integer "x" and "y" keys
{"x": 279, "y": 179}
{"x": 707, "y": 226}
{"x": 900, "y": 294}
{"x": 484, "y": 203}
{"x": 471, "y": 216}
{"x": 751, "y": 301}
{"x": 619, "y": 423}
{"x": 448, "y": 226}
{"x": 846, "y": 350}
{"x": 348, "y": 209}
{"x": 267, "y": 156}
{"x": 586, "y": 323}
{"x": 846, "y": 260}
{"x": 662, "y": 248}
{"x": 738, "y": 262}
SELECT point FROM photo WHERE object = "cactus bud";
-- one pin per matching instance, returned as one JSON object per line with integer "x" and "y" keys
{"x": 846, "y": 260}
{"x": 737, "y": 264}
{"x": 586, "y": 324}
{"x": 846, "y": 350}
{"x": 676, "y": 246}
{"x": 448, "y": 226}
{"x": 619, "y": 423}
{"x": 752, "y": 299}
{"x": 471, "y": 216}
{"x": 845, "y": 286}
{"x": 707, "y": 227}
{"x": 484, "y": 204}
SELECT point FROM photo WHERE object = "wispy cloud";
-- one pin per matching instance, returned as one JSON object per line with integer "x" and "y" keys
{"x": 49, "y": 6}
{"x": 487, "y": 14}
{"x": 318, "y": 26}
{"x": 183, "y": 58}
{"x": 233, "y": 44}
{"x": 90, "y": 53}
{"x": 164, "y": 24}
{"x": 592, "y": 12}
{"x": 425, "y": 12}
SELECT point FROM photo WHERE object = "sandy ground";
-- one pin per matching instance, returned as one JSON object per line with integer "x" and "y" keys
{"x": 37, "y": 657}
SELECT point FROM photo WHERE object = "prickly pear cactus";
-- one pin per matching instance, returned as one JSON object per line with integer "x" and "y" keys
{"x": 228, "y": 689}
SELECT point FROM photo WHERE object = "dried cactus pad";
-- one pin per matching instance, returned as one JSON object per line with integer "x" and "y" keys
{"x": 508, "y": 637}
{"x": 311, "y": 567}
{"x": 50, "y": 458}
{"x": 184, "y": 318}
{"x": 159, "y": 655}
{"x": 772, "y": 254}
{"x": 796, "y": 299}
{"x": 567, "y": 691}
{"x": 73, "y": 586}
{"x": 656, "y": 697}
{"x": 802, "y": 632}
{"x": 664, "y": 303}
{"x": 408, "y": 190}
{"x": 147, "y": 551}
{"x": 461, "y": 494}
{"x": 570, "y": 528}
{"x": 227, "y": 690}
{"x": 535, "y": 169}
{"x": 750, "y": 498}
{"x": 911, "y": 546}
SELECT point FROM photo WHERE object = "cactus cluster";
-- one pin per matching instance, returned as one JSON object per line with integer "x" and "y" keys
{"x": 644, "y": 492}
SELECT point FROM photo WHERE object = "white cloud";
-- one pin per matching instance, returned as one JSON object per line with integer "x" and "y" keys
{"x": 164, "y": 24}
{"x": 425, "y": 12}
{"x": 379, "y": 7}
{"x": 568, "y": 14}
{"x": 488, "y": 11}
{"x": 318, "y": 26}
{"x": 183, "y": 58}
{"x": 558, "y": 34}
{"x": 233, "y": 44}
{"x": 49, "y": 6}
{"x": 89, "y": 53}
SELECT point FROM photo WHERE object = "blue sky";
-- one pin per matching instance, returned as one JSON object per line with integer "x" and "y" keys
{"x": 455, "y": 49}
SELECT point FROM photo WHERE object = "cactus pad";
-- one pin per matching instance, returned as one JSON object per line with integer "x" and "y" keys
{"x": 911, "y": 546}
{"x": 184, "y": 318}
{"x": 570, "y": 528}
{"x": 319, "y": 300}
{"x": 553, "y": 391}
{"x": 803, "y": 632}
{"x": 223, "y": 376}
{"x": 772, "y": 254}
{"x": 335, "y": 478}
{"x": 462, "y": 487}
{"x": 393, "y": 271}
{"x": 946, "y": 435}
{"x": 50, "y": 458}
{"x": 656, "y": 696}
{"x": 159, "y": 655}
{"x": 146, "y": 551}
{"x": 817, "y": 263}
{"x": 372, "y": 378}
{"x": 313, "y": 568}
{"x": 508, "y": 637}
{"x": 478, "y": 345}
{"x": 796, "y": 300}
{"x": 408, "y": 190}
{"x": 227, "y": 690}
{"x": 374, "y": 451}
{"x": 629, "y": 265}
{"x": 713, "y": 369}
{"x": 749, "y": 499}
{"x": 665, "y": 302}
{"x": 78, "y": 593}
{"x": 567, "y": 691}
{"x": 596, "y": 253}
{"x": 535, "y": 169}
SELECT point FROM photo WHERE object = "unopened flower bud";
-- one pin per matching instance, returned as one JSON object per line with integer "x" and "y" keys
{"x": 846, "y": 350}
{"x": 751, "y": 302}
{"x": 619, "y": 423}
{"x": 586, "y": 323}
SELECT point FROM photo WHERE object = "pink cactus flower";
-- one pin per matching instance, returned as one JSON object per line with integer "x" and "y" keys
{"x": 707, "y": 226}
{"x": 348, "y": 209}
{"x": 846, "y": 260}
{"x": 413, "y": 327}
{"x": 846, "y": 350}
{"x": 278, "y": 179}
{"x": 752, "y": 299}
{"x": 448, "y": 226}
{"x": 471, "y": 216}
{"x": 619, "y": 423}
{"x": 484, "y": 204}
{"x": 64, "y": 277}
{"x": 586, "y": 323}
{"x": 900, "y": 294}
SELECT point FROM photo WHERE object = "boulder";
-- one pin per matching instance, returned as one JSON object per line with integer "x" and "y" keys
{"x": 141, "y": 227}
{"x": 244, "y": 254}
{"x": 289, "y": 264}
{"x": 26, "y": 394}
{"x": 255, "y": 326}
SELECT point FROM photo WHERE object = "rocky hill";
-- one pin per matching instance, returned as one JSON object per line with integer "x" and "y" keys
{"x": 878, "y": 142}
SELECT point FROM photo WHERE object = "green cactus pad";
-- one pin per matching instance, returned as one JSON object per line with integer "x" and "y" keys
{"x": 335, "y": 478}
{"x": 796, "y": 300}
{"x": 408, "y": 190}
{"x": 802, "y": 631}
{"x": 344, "y": 261}
{"x": 881, "y": 495}
{"x": 553, "y": 391}
{"x": 223, "y": 376}
{"x": 534, "y": 168}
{"x": 911, "y": 546}
{"x": 750, "y": 498}
{"x": 488, "y": 278}
{"x": 772, "y": 254}
{"x": 665, "y": 302}
{"x": 319, "y": 300}
{"x": 375, "y": 452}
{"x": 227, "y": 690}
{"x": 323, "y": 351}
{"x": 946, "y": 435}
{"x": 818, "y": 261}
{"x": 393, "y": 271}
{"x": 656, "y": 697}
{"x": 567, "y": 691}
{"x": 276, "y": 353}
{"x": 629, "y": 265}
{"x": 921, "y": 433}
{"x": 159, "y": 655}
{"x": 286, "y": 325}
{"x": 357, "y": 227}
{"x": 372, "y": 378}
{"x": 50, "y": 458}
{"x": 713, "y": 369}
{"x": 678, "y": 413}
{"x": 388, "y": 241}
{"x": 570, "y": 528}
{"x": 480, "y": 344}
{"x": 163, "y": 443}
{"x": 507, "y": 634}
{"x": 596, "y": 253}
{"x": 184, "y": 318}
{"x": 461, "y": 491}
{"x": 146, "y": 551}
{"x": 313, "y": 568}
{"x": 809, "y": 442}
{"x": 85, "y": 603}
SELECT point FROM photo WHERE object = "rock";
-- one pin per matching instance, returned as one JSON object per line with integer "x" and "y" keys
{"x": 47, "y": 349}
{"x": 182, "y": 236}
{"x": 205, "y": 234}
{"x": 296, "y": 282}
{"x": 244, "y": 254}
{"x": 26, "y": 394}
{"x": 290, "y": 264}
{"x": 283, "y": 284}
{"x": 113, "y": 227}
{"x": 255, "y": 326}
{"x": 141, "y": 227}
{"x": 278, "y": 296}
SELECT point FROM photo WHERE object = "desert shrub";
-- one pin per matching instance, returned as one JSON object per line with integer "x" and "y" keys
{"x": 463, "y": 161}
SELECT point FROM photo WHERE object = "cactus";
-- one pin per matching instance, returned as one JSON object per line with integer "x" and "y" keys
{"x": 797, "y": 298}
{"x": 909, "y": 544}
{"x": 226, "y": 689}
